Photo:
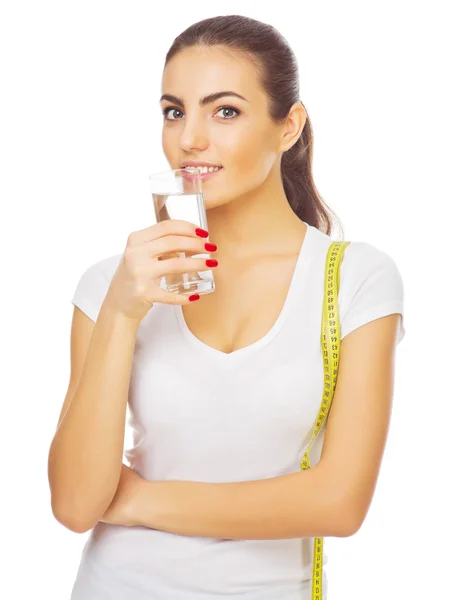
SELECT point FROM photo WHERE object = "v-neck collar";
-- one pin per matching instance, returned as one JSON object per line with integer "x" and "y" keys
{"x": 298, "y": 279}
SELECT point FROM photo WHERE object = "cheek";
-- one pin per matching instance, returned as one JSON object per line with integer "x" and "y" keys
{"x": 241, "y": 151}
{"x": 253, "y": 158}
{"x": 169, "y": 144}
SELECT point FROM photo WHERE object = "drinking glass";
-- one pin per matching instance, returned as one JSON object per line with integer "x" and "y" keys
{"x": 177, "y": 194}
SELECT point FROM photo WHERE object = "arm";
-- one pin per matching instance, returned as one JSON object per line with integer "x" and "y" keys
{"x": 85, "y": 457}
{"x": 359, "y": 419}
{"x": 296, "y": 505}
{"x": 330, "y": 499}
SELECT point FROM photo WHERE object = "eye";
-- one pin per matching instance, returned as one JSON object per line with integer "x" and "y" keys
{"x": 229, "y": 108}
{"x": 167, "y": 110}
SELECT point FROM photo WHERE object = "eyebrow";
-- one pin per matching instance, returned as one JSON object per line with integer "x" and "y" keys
{"x": 204, "y": 100}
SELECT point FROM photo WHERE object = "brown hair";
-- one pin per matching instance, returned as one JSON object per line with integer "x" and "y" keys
{"x": 278, "y": 75}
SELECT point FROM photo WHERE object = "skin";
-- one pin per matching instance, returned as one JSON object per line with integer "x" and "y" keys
{"x": 251, "y": 221}
{"x": 258, "y": 236}
{"x": 247, "y": 210}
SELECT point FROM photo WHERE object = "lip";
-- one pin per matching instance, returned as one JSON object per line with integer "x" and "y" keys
{"x": 204, "y": 176}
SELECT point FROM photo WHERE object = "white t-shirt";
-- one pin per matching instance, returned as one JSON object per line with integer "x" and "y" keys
{"x": 200, "y": 414}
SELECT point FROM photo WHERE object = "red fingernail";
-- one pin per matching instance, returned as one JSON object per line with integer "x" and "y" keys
{"x": 210, "y": 247}
{"x": 210, "y": 262}
{"x": 201, "y": 232}
{"x": 193, "y": 297}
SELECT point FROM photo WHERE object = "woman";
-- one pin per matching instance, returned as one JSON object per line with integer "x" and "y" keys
{"x": 223, "y": 391}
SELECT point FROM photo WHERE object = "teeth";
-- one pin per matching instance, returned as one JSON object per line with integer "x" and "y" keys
{"x": 202, "y": 169}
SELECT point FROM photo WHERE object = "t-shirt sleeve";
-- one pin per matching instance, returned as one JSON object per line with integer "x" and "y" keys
{"x": 370, "y": 287}
{"x": 91, "y": 290}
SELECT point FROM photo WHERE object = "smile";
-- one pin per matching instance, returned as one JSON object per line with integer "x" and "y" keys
{"x": 191, "y": 176}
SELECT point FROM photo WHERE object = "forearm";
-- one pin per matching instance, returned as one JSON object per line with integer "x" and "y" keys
{"x": 85, "y": 456}
{"x": 290, "y": 506}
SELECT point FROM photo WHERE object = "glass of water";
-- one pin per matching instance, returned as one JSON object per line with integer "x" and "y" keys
{"x": 177, "y": 194}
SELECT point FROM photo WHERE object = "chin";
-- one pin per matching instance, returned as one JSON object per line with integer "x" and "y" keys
{"x": 211, "y": 202}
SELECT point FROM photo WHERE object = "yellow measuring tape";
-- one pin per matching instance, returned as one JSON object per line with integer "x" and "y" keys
{"x": 330, "y": 343}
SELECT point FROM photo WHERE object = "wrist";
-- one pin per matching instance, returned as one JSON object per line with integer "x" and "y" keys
{"x": 117, "y": 318}
{"x": 141, "y": 505}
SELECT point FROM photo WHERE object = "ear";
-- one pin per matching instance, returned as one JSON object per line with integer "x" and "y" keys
{"x": 293, "y": 126}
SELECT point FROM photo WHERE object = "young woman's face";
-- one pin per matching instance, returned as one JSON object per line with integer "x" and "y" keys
{"x": 236, "y": 134}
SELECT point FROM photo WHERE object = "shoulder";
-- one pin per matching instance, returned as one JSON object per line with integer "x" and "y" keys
{"x": 93, "y": 284}
{"x": 104, "y": 267}
{"x": 366, "y": 264}
{"x": 371, "y": 286}
{"x": 370, "y": 282}
{"x": 361, "y": 260}
{"x": 100, "y": 271}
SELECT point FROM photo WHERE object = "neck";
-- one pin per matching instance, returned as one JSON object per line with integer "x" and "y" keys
{"x": 260, "y": 222}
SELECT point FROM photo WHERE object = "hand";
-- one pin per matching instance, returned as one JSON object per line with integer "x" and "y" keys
{"x": 151, "y": 253}
{"x": 123, "y": 509}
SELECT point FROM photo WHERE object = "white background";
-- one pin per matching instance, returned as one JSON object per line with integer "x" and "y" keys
{"x": 80, "y": 134}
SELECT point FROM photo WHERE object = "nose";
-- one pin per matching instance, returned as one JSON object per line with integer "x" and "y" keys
{"x": 193, "y": 135}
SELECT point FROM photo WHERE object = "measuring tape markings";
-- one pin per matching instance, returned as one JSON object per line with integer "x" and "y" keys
{"x": 330, "y": 341}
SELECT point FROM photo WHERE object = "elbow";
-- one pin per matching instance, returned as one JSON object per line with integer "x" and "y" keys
{"x": 344, "y": 519}
{"x": 348, "y": 519}
{"x": 69, "y": 520}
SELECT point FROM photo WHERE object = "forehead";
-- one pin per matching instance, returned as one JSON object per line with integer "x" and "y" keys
{"x": 198, "y": 71}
